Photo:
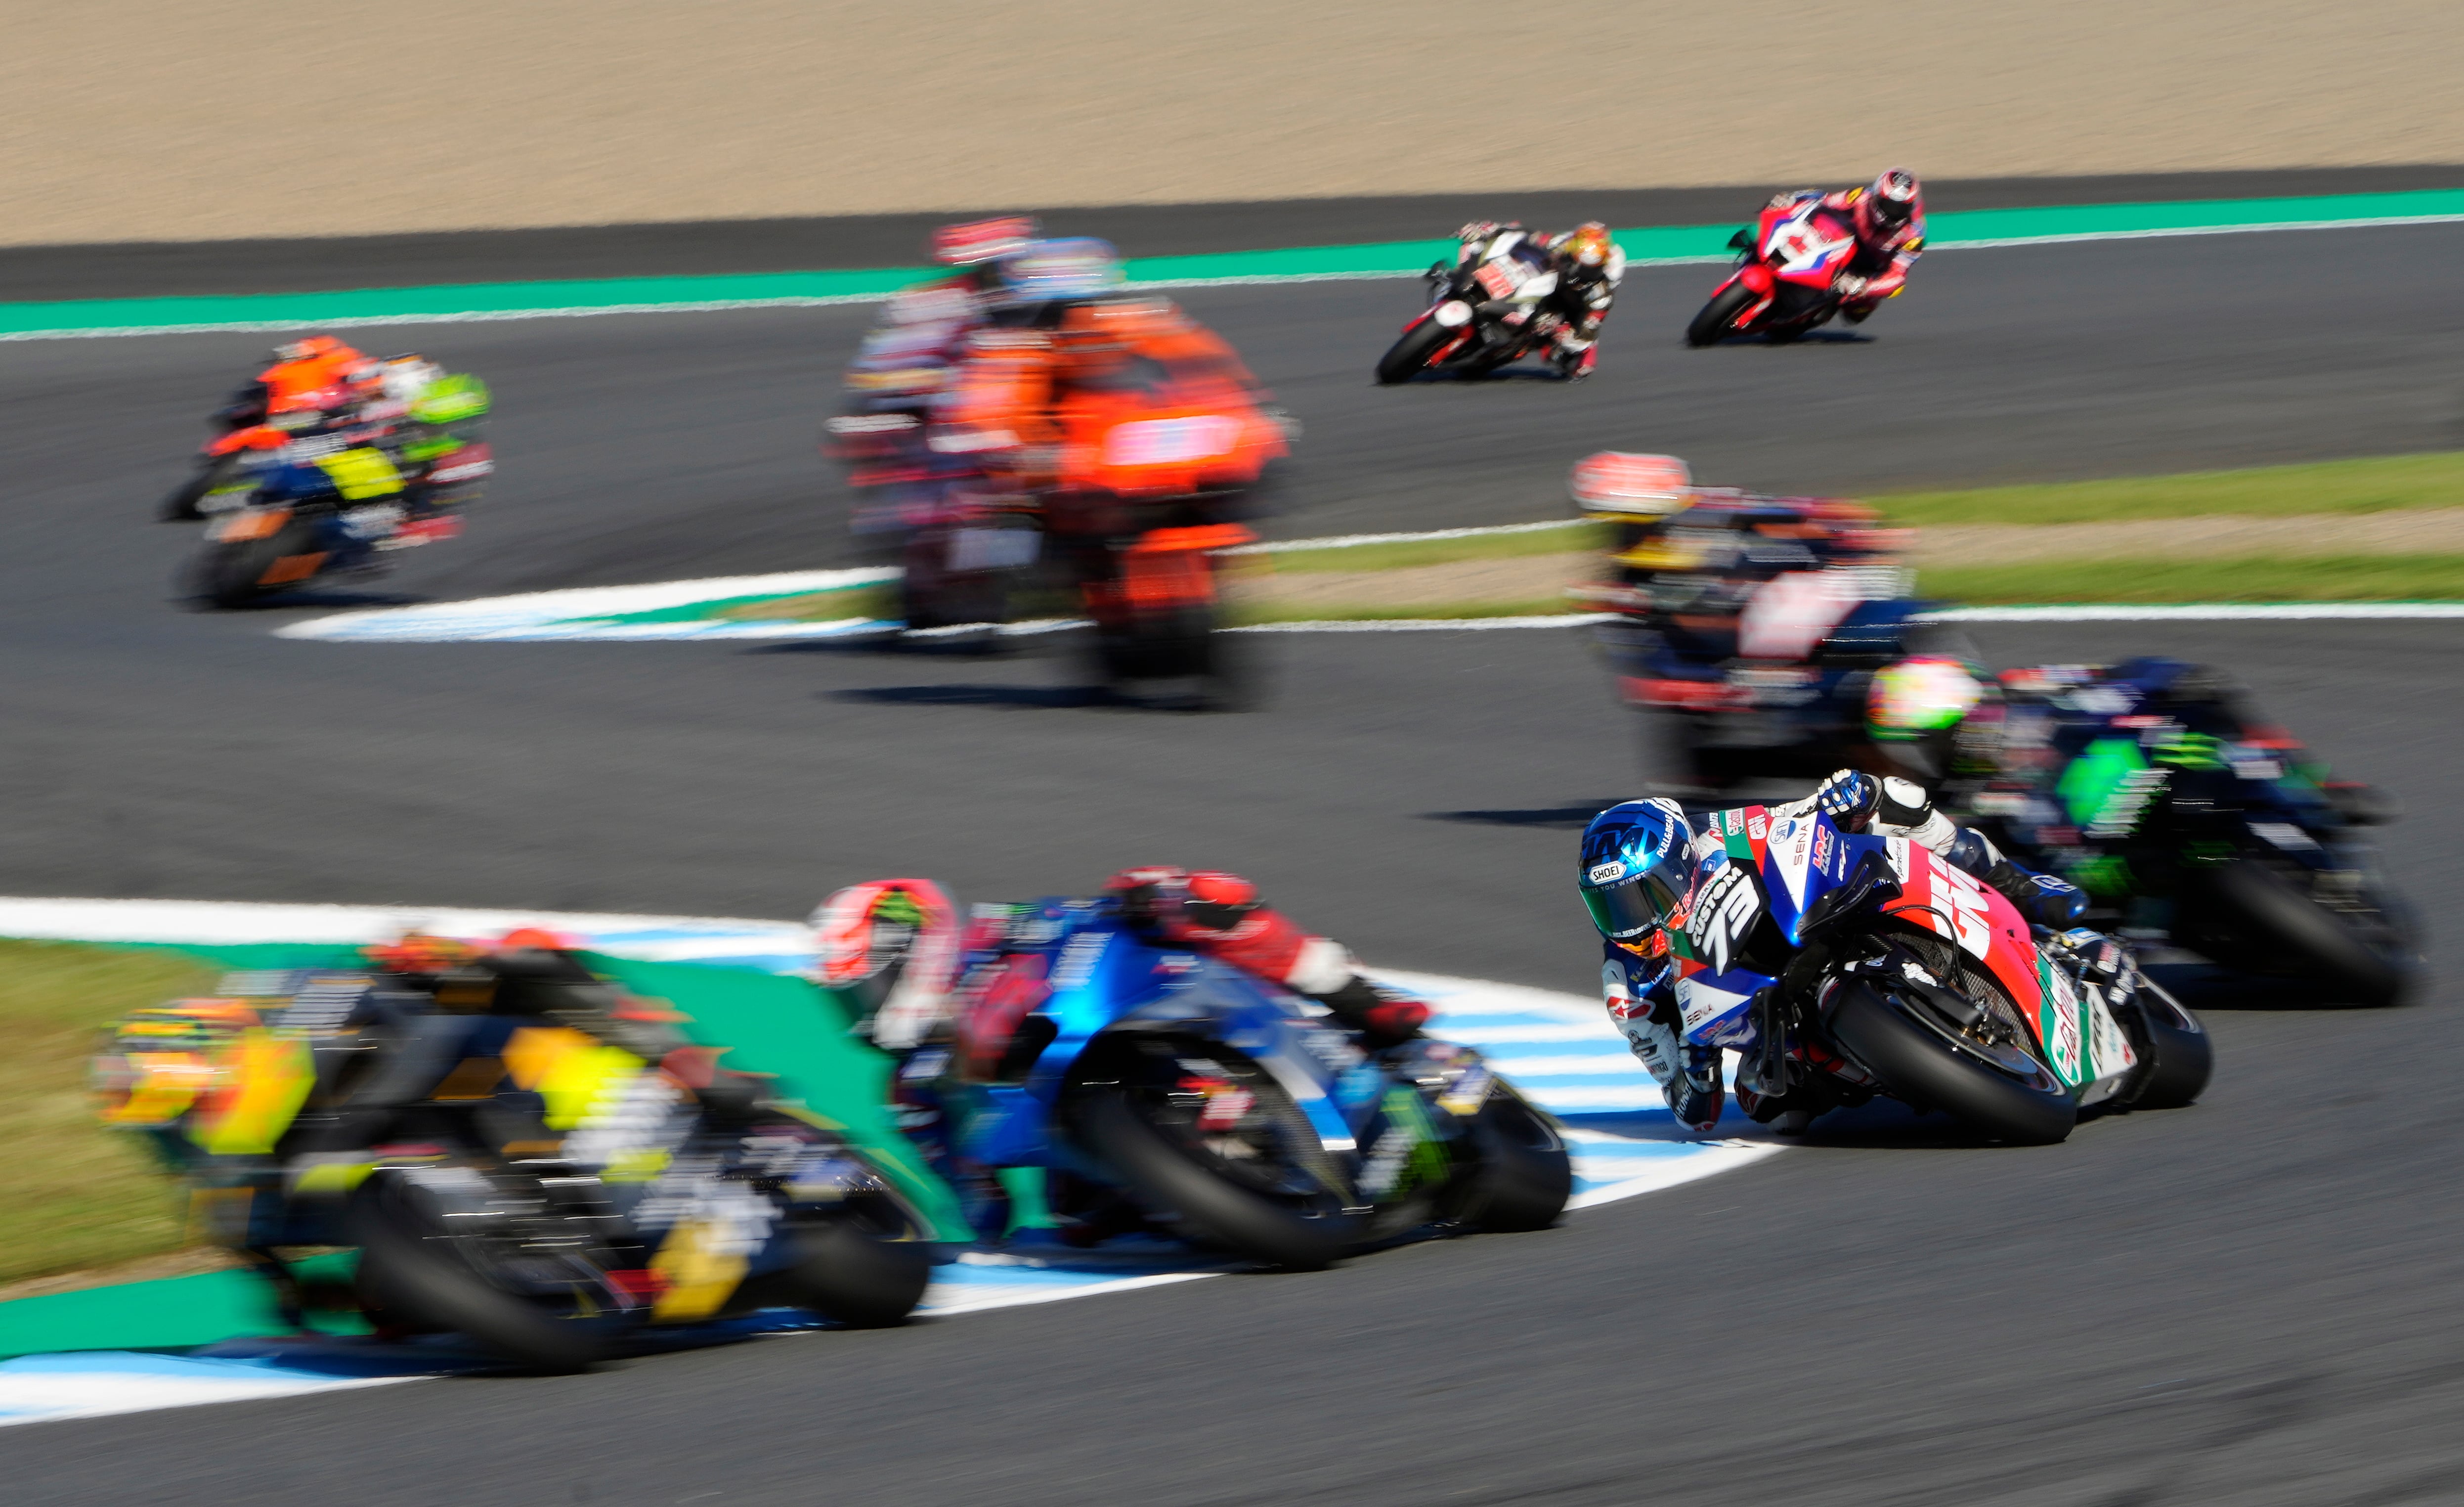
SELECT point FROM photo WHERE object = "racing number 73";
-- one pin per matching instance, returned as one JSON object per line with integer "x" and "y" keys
{"x": 1725, "y": 912}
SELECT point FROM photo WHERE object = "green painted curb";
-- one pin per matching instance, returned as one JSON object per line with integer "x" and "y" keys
{"x": 1651, "y": 245}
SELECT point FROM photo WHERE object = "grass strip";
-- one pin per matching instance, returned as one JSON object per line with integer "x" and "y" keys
{"x": 2254, "y": 578}
{"x": 1579, "y": 536}
{"x": 2376, "y": 484}
{"x": 77, "y": 1193}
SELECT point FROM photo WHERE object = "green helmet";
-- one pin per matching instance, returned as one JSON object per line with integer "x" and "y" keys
{"x": 449, "y": 400}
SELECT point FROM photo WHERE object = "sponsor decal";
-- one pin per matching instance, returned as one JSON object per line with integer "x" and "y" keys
{"x": 1755, "y": 826}
{"x": 1822, "y": 846}
{"x": 1605, "y": 873}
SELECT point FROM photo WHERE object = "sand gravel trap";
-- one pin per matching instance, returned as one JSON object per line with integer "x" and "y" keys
{"x": 1536, "y": 578}
{"x": 198, "y": 119}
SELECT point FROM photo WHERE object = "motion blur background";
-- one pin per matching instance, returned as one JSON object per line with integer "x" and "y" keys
{"x": 147, "y": 119}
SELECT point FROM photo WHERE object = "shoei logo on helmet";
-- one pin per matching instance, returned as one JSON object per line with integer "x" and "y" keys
{"x": 1608, "y": 873}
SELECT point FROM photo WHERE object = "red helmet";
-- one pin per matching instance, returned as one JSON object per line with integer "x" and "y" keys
{"x": 1178, "y": 905}
{"x": 980, "y": 241}
{"x": 890, "y": 949}
{"x": 1895, "y": 198}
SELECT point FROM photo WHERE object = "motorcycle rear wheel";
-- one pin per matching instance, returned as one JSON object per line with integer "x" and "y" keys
{"x": 1410, "y": 354}
{"x": 424, "y": 1277}
{"x": 1918, "y": 1064}
{"x": 2245, "y": 904}
{"x": 1305, "y": 1229}
{"x": 859, "y": 1277}
{"x": 1718, "y": 320}
{"x": 226, "y": 576}
{"x": 1526, "y": 1174}
{"x": 2177, "y": 1058}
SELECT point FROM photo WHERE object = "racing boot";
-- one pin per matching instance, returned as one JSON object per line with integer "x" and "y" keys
{"x": 1574, "y": 357}
{"x": 2045, "y": 900}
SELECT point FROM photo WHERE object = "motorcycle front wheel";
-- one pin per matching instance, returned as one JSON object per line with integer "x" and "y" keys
{"x": 1410, "y": 354}
{"x": 1918, "y": 1063}
{"x": 1718, "y": 320}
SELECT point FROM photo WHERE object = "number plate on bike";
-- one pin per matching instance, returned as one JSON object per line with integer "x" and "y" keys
{"x": 1500, "y": 278}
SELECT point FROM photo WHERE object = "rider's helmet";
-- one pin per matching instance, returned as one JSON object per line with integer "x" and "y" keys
{"x": 890, "y": 948}
{"x": 1586, "y": 247}
{"x": 1916, "y": 710}
{"x": 980, "y": 241}
{"x": 1048, "y": 273}
{"x": 1179, "y": 905}
{"x": 1884, "y": 208}
{"x": 1630, "y": 484}
{"x": 1634, "y": 868}
{"x": 309, "y": 349}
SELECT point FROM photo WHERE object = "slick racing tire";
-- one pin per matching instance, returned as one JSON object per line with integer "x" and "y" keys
{"x": 1718, "y": 320}
{"x": 226, "y": 576}
{"x": 181, "y": 507}
{"x": 1525, "y": 1172}
{"x": 2246, "y": 907}
{"x": 2176, "y": 1057}
{"x": 1919, "y": 1064}
{"x": 420, "y": 1278}
{"x": 858, "y": 1275}
{"x": 1410, "y": 354}
{"x": 1213, "y": 1209}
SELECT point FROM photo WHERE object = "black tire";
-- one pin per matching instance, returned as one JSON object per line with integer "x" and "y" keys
{"x": 1917, "y": 1063}
{"x": 1526, "y": 1174}
{"x": 2254, "y": 905}
{"x": 1715, "y": 324}
{"x": 181, "y": 507}
{"x": 858, "y": 1277}
{"x": 417, "y": 1276}
{"x": 226, "y": 576}
{"x": 1215, "y": 1210}
{"x": 2176, "y": 1057}
{"x": 1410, "y": 354}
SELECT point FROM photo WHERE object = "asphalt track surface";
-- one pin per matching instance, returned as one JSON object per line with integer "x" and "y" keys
{"x": 2248, "y": 1301}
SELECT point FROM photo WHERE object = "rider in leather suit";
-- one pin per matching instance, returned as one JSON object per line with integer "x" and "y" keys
{"x": 1889, "y": 217}
{"x": 1638, "y": 860}
{"x": 1588, "y": 266}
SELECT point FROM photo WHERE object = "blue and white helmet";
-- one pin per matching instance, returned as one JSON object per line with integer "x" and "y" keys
{"x": 1053, "y": 271}
{"x": 1633, "y": 866}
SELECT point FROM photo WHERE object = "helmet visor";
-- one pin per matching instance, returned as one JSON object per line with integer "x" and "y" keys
{"x": 1630, "y": 907}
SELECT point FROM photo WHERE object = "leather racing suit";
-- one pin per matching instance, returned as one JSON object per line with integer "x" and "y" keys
{"x": 1880, "y": 268}
{"x": 1589, "y": 268}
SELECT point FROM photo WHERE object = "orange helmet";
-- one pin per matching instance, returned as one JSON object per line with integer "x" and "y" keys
{"x": 309, "y": 349}
{"x": 1588, "y": 245}
{"x": 1095, "y": 336}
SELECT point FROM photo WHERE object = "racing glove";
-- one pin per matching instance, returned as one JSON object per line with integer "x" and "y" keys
{"x": 1848, "y": 285}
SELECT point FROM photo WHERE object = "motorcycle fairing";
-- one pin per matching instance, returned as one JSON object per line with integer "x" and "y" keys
{"x": 1805, "y": 243}
{"x": 1103, "y": 980}
{"x": 1788, "y": 863}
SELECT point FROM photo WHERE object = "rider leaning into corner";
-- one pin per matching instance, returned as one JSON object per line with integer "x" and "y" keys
{"x": 1639, "y": 864}
{"x": 897, "y": 952}
{"x": 1889, "y": 217}
{"x": 1588, "y": 266}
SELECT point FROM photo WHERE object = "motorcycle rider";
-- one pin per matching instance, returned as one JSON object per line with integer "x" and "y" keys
{"x": 895, "y": 951}
{"x": 1588, "y": 265}
{"x": 1637, "y": 866}
{"x": 1888, "y": 215}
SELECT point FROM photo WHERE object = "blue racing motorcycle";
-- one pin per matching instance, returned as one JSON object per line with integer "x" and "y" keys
{"x": 1231, "y": 1113}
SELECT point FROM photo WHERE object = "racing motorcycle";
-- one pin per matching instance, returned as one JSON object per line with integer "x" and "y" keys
{"x": 1752, "y": 625}
{"x": 2213, "y": 830}
{"x": 1788, "y": 267}
{"x": 1230, "y": 1112}
{"x": 545, "y": 1195}
{"x": 1485, "y": 313}
{"x": 1843, "y": 967}
{"x": 323, "y": 505}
